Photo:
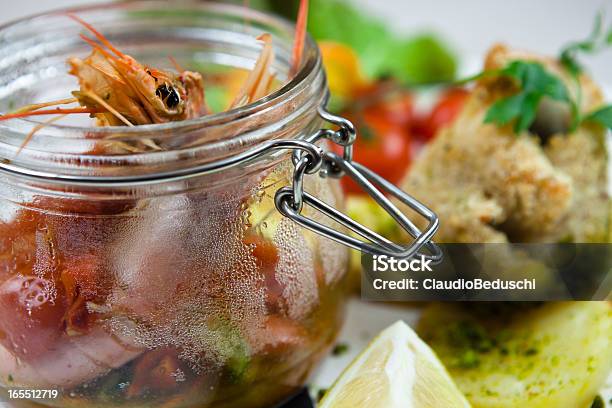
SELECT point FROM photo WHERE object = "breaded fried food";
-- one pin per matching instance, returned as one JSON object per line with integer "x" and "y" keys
{"x": 488, "y": 184}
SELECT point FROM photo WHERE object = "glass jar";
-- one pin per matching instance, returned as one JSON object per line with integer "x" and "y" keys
{"x": 188, "y": 264}
{"x": 160, "y": 290}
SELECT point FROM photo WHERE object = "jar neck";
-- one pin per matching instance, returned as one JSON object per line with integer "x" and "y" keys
{"x": 215, "y": 33}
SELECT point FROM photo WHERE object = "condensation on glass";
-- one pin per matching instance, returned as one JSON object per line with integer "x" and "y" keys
{"x": 188, "y": 291}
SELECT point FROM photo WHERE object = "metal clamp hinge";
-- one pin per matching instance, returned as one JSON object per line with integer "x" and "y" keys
{"x": 290, "y": 200}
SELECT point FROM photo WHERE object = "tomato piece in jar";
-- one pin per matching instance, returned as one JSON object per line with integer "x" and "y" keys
{"x": 266, "y": 257}
{"x": 32, "y": 315}
{"x": 30, "y": 303}
{"x": 43, "y": 291}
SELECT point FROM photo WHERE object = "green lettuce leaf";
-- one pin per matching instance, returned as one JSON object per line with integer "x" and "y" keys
{"x": 416, "y": 60}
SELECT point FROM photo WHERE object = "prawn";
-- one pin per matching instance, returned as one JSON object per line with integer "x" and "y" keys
{"x": 117, "y": 90}
{"x": 120, "y": 91}
{"x": 130, "y": 92}
{"x": 260, "y": 79}
{"x": 300, "y": 37}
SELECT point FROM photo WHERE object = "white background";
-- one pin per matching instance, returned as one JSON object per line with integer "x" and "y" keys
{"x": 471, "y": 26}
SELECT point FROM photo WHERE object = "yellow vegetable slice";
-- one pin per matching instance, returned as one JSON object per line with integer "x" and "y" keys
{"x": 341, "y": 63}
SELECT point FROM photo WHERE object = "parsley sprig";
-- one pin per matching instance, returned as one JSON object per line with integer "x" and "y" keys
{"x": 603, "y": 116}
{"x": 595, "y": 42}
{"x": 534, "y": 83}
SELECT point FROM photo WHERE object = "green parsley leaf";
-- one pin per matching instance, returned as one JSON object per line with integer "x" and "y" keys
{"x": 505, "y": 110}
{"x": 603, "y": 116}
{"x": 534, "y": 83}
{"x": 594, "y": 42}
{"x": 597, "y": 41}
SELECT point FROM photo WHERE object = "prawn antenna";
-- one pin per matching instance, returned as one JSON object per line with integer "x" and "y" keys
{"x": 37, "y": 128}
{"x": 250, "y": 89}
{"x": 36, "y": 106}
{"x": 300, "y": 37}
{"x": 97, "y": 46}
{"x": 97, "y": 34}
{"x": 176, "y": 65}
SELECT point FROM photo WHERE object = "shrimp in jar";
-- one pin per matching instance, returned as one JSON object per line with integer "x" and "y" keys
{"x": 130, "y": 92}
{"x": 118, "y": 90}
{"x": 180, "y": 294}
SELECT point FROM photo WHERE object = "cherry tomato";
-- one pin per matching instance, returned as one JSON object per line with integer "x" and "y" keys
{"x": 382, "y": 145}
{"x": 266, "y": 256}
{"x": 32, "y": 311}
{"x": 389, "y": 101}
{"x": 444, "y": 113}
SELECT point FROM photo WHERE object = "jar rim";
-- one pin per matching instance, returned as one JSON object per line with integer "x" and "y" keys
{"x": 307, "y": 67}
{"x": 226, "y": 133}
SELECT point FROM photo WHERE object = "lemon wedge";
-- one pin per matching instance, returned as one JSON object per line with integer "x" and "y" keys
{"x": 397, "y": 370}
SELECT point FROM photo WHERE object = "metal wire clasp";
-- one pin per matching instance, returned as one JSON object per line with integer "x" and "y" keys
{"x": 308, "y": 158}
{"x": 291, "y": 200}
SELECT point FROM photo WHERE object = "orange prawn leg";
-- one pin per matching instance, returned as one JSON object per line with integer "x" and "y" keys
{"x": 37, "y": 106}
{"x": 57, "y": 111}
{"x": 176, "y": 65}
{"x": 97, "y": 47}
{"x": 300, "y": 37}
{"x": 259, "y": 74}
